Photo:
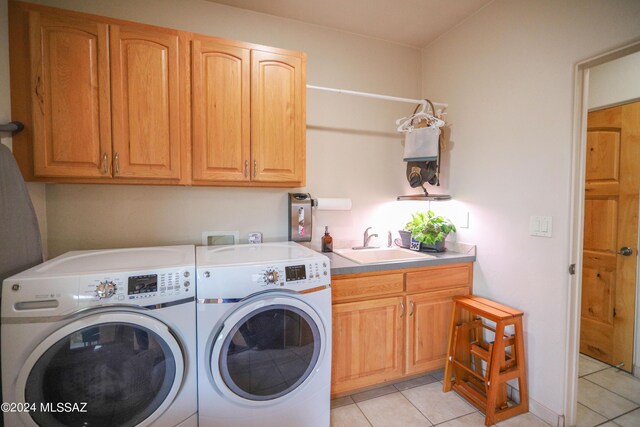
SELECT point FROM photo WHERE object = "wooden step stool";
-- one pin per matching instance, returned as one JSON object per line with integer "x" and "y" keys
{"x": 485, "y": 384}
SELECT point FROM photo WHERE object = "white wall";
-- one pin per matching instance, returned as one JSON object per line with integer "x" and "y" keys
{"x": 352, "y": 149}
{"x": 614, "y": 82}
{"x": 508, "y": 76}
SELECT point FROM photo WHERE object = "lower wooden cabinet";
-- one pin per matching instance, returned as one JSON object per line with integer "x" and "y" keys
{"x": 392, "y": 324}
{"x": 368, "y": 341}
{"x": 429, "y": 314}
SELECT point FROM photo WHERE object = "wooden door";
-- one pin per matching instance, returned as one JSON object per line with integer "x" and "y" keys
{"x": 145, "y": 95}
{"x": 221, "y": 111}
{"x": 428, "y": 318}
{"x": 611, "y": 223}
{"x": 367, "y": 343}
{"x": 277, "y": 117}
{"x": 70, "y": 98}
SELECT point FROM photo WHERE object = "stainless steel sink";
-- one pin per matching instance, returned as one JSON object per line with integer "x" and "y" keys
{"x": 382, "y": 255}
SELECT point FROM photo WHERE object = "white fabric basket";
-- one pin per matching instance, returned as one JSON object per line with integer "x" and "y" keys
{"x": 421, "y": 144}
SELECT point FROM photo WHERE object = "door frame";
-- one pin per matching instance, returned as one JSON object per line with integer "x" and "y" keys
{"x": 576, "y": 215}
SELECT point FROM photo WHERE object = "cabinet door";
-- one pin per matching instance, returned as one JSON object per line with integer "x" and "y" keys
{"x": 70, "y": 96}
{"x": 428, "y": 319}
{"x": 367, "y": 343}
{"x": 277, "y": 117}
{"x": 145, "y": 96}
{"x": 221, "y": 111}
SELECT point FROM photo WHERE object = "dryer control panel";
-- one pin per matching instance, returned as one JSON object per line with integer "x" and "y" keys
{"x": 294, "y": 276}
{"x": 241, "y": 281}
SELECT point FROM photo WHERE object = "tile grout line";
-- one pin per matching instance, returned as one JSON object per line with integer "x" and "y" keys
{"x": 613, "y": 392}
{"x": 621, "y": 415}
{"x": 419, "y": 411}
{"x": 595, "y": 372}
{"x": 446, "y": 421}
{"x": 603, "y": 415}
{"x": 461, "y": 416}
{"x": 363, "y": 414}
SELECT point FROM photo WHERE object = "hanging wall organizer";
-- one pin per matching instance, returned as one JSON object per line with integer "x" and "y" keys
{"x": 415, "y": 170}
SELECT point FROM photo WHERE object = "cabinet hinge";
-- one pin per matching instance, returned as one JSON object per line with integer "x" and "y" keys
{"x": 572, "y": 269}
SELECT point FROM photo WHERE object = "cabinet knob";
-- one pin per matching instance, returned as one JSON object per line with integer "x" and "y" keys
{"x": 625, "y": 251}
{"x": 401, "y": 309}
{"x": 255, "y": 168}
{"x": 412, "y": 308}
{"x": 246, "y": 168}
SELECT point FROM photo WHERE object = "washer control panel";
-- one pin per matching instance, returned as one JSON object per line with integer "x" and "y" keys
{"x": 138, "y": 288}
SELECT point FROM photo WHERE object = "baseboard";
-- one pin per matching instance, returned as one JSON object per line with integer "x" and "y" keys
{"x": 636, "y": 371}
{"x": 545, "y": 414}
{"x": 537, "y": 409}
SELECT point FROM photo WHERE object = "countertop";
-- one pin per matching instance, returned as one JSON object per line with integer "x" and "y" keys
{"x": 455, "y": 252}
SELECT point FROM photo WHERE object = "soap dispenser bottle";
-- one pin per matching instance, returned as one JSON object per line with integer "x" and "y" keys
{"x": 327, "y": 240}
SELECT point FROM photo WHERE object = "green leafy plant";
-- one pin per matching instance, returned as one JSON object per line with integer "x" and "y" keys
{"x": 427, "y": 228}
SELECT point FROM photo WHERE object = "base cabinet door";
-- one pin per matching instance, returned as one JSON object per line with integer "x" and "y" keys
{"x": 368, "y": 341}
{"x": 428, "y": 318}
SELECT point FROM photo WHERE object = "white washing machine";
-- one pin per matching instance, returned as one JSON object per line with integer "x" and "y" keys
{"x": 264, "y": 336}
{"x": 102, "y": 338}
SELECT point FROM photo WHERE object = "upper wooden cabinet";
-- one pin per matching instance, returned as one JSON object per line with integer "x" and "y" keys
{"x": 248, "y": 114}
{"x": 69, "y": 94}
{"x": 102, "y": 101}
{"x": 145, "y": 81}
{"x": 221, "y": 111}
{"x": 105, "y": 100}
{"x": 277, "y": 117}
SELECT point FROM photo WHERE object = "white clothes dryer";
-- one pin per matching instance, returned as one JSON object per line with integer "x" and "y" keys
{"x": 102, "y": 338}
{"x": 264, "y": 336}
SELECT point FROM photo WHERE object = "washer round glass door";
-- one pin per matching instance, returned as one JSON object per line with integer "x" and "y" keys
{"x": 108, "y": 369}
{"x": 268, "y": 348}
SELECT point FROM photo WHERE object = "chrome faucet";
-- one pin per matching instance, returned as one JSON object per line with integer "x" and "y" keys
{"x": 365, "y": 240}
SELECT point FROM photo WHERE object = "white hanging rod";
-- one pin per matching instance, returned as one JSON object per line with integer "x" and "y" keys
{"x": 375, "y": 95}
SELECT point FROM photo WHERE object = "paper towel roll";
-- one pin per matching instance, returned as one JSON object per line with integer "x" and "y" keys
{"x": 328, "y": 204}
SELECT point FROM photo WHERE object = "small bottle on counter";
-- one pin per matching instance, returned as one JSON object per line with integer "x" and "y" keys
{"x": 327, "y": 240}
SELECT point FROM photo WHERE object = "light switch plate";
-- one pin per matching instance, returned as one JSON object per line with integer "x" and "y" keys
{"x": 541, "y": 226}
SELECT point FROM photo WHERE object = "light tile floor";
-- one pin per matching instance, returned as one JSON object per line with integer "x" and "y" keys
{"x": 416, "y": 402}
{"x": 607, "y": 397}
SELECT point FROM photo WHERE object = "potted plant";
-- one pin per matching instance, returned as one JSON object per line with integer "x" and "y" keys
{"x": 428, "y": 229}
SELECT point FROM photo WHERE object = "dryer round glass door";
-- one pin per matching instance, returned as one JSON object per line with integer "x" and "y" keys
{"x": 119, "y": 369}
{"x": 268, "y": 348}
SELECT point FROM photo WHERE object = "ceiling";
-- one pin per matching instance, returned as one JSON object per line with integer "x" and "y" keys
{"x": 410, "y": 22}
